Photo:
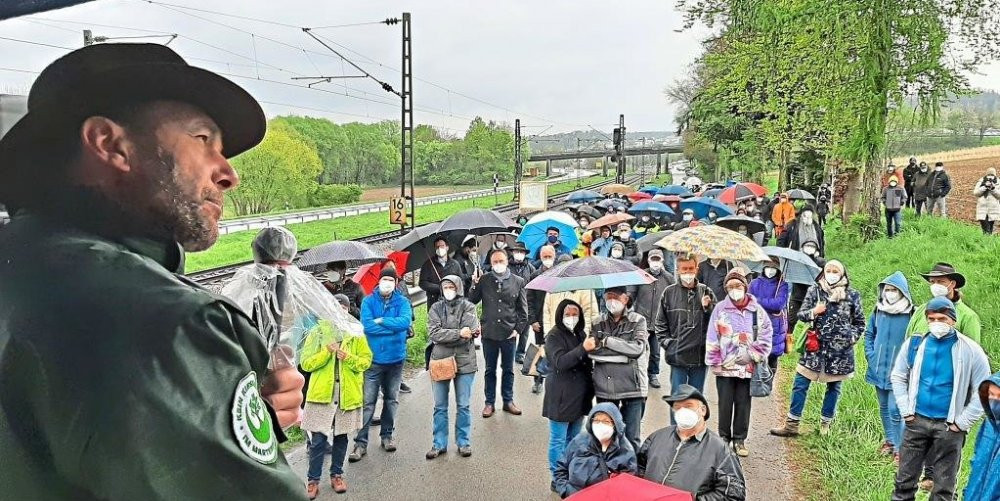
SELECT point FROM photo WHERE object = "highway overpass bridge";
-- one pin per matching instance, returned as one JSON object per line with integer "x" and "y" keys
{"x": 658, "y": 150}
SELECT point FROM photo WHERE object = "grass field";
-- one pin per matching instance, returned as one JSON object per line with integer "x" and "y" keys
{"x": 846, "y": 464}
{"x": 235, "y": 247}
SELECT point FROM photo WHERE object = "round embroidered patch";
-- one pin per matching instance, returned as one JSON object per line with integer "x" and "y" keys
{"x": 252, "y": 423}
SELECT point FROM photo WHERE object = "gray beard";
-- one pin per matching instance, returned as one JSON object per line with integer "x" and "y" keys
{"x": 171, "y": 209}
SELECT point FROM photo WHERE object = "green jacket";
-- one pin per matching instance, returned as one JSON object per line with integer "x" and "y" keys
{"x": 320, "y": 362}
{"x": 968, "y": 322}
{"x": 122, "y": 379}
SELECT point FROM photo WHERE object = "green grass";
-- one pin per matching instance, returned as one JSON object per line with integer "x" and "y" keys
{"x": 846, "y": 464}
{"x": 235, "y": 247}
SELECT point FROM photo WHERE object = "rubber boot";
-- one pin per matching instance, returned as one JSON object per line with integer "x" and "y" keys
{"x": 791, "y": 429}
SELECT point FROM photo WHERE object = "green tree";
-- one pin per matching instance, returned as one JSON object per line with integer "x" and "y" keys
{"x": 280, "y": 171}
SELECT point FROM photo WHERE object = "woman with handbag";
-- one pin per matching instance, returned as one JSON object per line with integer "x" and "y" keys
{"x": 569, "y": 388}
{"x": 838, "y": 322}
{"x": 738, "y": 341}
{"x": 452, "y": 325}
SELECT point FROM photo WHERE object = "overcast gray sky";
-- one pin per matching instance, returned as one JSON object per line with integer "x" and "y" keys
{"x": 567, "y": 64}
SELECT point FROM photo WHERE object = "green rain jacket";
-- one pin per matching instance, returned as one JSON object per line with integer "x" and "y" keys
{"x": 122, "y": 379}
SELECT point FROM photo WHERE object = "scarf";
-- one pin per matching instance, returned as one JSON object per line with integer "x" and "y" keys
{"x": 836, "y": 292}
{"x": 897, "y": 308}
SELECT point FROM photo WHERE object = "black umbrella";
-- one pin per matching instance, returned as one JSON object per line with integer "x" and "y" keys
{"x": 351, "y": 252}
{"x": 611, "y": 202}
{"x": 800, "y": 195}
{"x": 648, "y": 242}
{"x": 586, "y": 210}
{"x": 419, "y": 243}
{"x": 476, "y": 222}
{"x": 734, "y": 222}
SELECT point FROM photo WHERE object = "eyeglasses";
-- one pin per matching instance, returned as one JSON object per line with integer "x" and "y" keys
{"x": 602, "y": 421}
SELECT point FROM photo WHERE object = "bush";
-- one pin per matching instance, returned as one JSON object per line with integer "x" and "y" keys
{"x": 334, "y": 194}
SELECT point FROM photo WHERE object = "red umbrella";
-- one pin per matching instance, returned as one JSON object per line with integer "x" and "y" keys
{"x": 666, "y": 198}
{"x": 630, "y": 487}
{"x": 368, "y": 275}
{"x": 639, "y": 196}
{"x": 741, "y": 191}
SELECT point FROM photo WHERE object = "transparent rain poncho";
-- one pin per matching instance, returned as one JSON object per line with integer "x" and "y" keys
{"x": 286, "y": 303}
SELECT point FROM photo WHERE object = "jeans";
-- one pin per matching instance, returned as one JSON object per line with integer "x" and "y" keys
{"x": 893, "y": 222}
{"x": 385, "y": 378}
{"x": 653, "y": 369}
{"x": 632, "y": 410}
{"x": 463, "y": 418}
{"x": 734, "y": 407}
{"x": 891, "y": 422}
{"x": 560, "y": 434}
{"x": 317, "y": 453}
{"x": 522, "y": 341}
{"x": 939, "y": 203}
{"x": 987, "y": 226}
{"x": 930, "y": 441}
{"x": 799, "y": 390}
{"x": 504, "y": 350}
{"x": 694, "y": 376}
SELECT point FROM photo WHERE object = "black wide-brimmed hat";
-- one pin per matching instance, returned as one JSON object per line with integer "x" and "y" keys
{"x": 96, "y": 78}
{"x": 945, "y": 270}
{"x": 687, "y": 392}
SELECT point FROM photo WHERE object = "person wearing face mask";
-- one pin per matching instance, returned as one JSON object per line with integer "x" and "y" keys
{"x": 587, "y": 300}
{"x": 939, "y": 185}
{"x": 781, "y": 214}
{"x": 617, "y": 250}
{"x": 468, "y": 259}
{"x": 682, "y": 323}
{"x": 386, "y": 316}
{"x": 504, "y": 317}
{"x": 799, "y": 290}
{"x": 437, "y": 267}
{"x": 596, "y": 454}
{"x": 984, "y": 479}
{"x": 646, "y": 302}
{"x": 804, "y": 228}
{"x": 987, "y": 201}
{"x": 690, "y": 457}
{"x": 631, "y": 249}
{"x": 945, "y": 281}
{"x": 921, "y": 187}
{"x": 687, "y": 217}
{"x": 602, "y": 246}
{"x": 712, "y": 272}
{"x": 569, "y": 389}
{"x": 893, "y": 199}
{"x": 893, "y": 171}
{"x": 883, "y": 337}
{"x": 766, "y": 206}
{"x": 739, "y": 337}
{"x": 772, "y": 291}
{"x": 934, "y": 380}
{"x": 621, "y": 359}
{"x": 837, "y": 320}
{"x": 452, "y": 325}
{"x": 336, "y": 281}
{"x": 520, "y": 266}
{"x": 908, "y": 172}
{"x": 712, "y": 217}
{"x": 645, "y": 226}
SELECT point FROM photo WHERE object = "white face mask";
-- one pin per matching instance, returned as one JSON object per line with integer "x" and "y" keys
{"x": 938, "y": 290}
{"x": 688, "y": 217}
{"x": 645, "y": 219}
{"x": 686, "y": 418}
{"x": 386, "y": 286}
{"x": 832, "y": 278}
{"x": 770, "y": 272}
{"x": 809, "y": 250}
{"x": 617, "y": 254}
{"x": 939, "y": 329}
{"x": 519, "y": 257}
{"x": 737, "y": 294}
{"x": 655, "y": 265}
{"x": 625, "y": 234}
{"x": 501, "y": 245}
{"x": 939, "y": 169}
{"x": 570, "y": 322}
{"x": 615, "y": 306}
{"x": 602, "y": 431}
{"x": 441, "y": 251}
{"x": 500, "y": 268}
{"x": 474, "y": 256}
{"x": 333, "y": 276}
{"x": 893, "y": 184}
{"x": 548, "y": 263}
{"x": 687, "y": 278}
{"x": 891, "y": 296}
{"x": 449, "y": 294}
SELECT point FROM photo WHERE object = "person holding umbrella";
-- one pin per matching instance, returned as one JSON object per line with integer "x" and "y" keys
{"x": 468, "y": 259}
{"x": 436, "y": 268}
{"x": 602, "y": 245}
{"x": 336, "y": 281}
{"x": 687, "y": 217}
{"x": 801, "y": 229}
{"x": 771, "y": 292}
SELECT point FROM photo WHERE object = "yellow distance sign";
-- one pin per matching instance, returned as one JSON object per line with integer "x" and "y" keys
{"x": 397, "y": 210}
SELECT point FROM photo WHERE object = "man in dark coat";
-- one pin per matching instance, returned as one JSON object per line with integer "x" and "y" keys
{"x": 436, "y": 268}
{"x": 468, "y": 259}
{"x": 804, "y": 228}
{"x": 520, "y": 266}
{"x": 712, "y": 272}
{"x": 682, "y": 323}
{"x": 133, "y": 382}
{"x": 939, "y": 186}
{"x": 336, "y": 281}
{"x": 646, "y": 301}
{"x": 921, "y": 187}
{"x": 911, "y": 169}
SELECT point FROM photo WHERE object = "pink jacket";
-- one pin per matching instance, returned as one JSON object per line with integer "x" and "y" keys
{"x": 731, "y": 337}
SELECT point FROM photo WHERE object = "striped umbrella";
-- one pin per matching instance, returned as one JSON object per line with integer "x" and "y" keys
{"x": 590, "y": 273}
{"x": 714, "y": 242}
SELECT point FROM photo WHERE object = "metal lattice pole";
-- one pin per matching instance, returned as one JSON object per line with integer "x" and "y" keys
{"x": 406, "y": 138}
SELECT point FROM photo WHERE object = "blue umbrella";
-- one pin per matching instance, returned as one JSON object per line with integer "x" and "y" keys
{"x": 652, "y": 190}
{"x": 713, "y": 193}
{"x": 796, "y": 267}
{"x": 675, "y": 189}
{"x": 584, "y": 196}
{"x": 701, "y": 206}
{"x": 535, "y": 232}
{"x": 651, "y": 208}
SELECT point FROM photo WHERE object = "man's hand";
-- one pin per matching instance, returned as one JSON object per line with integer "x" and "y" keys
{"x": 589, "y": 344}
{"x": 706, "y": 301}
{"x": 513, "y": 334}
{"x": 954, "y": 428}
{"x": 283, "y": 390}
{"x": 537, "y": 327}
{"x": 910, "y": 418}
{"x": 465, "y": 333}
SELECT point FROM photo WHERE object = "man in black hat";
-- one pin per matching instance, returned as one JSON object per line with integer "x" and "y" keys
{"x": 689, "y": 456}
{"x": 122, "y": 378}
{"x": 520, "y": 266}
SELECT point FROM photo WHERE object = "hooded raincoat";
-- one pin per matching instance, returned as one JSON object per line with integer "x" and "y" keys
{"x": 569, "y": 389}
{"x": 444, "y": 326}
{"x": 885, "y": 333}
{"x": 585, "y": 463}
{"x": 984, "y": 479}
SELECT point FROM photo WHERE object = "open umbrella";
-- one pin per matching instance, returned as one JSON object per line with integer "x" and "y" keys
{"x": 586, "y": 210}
{"x": 796, "y": 267}
{"x": 610, "y": 220}
{"x": 656, "y": 209}
{"x": 742, "y": 191}
{"x": 476, "y": 222}
{"x": 648, "y": 242}
{"x": 701, "y": 206}
{"x": 368, "y": 275}
{"x": 619, "y": 189}
{"x": 652, "y": 190}
{"x": 639, "y": 195}
{"x": 349, "y": 251}
{"x": 800, "y": 195}
{"x": 734, "y": 222}
{"x": 675, "y": 189}
{"x": 419, "y": 244}
{"x": 631, "y": 487}
{"x": 666, "y": 198}
{"x": 486, "y": 241}
{"x": 589, "y": 273}
{"x": 714, "y": 242}
{"x": 534, "y": 235}
{"x": 712, "y": 193}
{"x": 609, "y": 203}
{"x": 584, "y": 196}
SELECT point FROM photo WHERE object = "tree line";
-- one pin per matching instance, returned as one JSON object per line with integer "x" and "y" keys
{"x": 307, "y": 162}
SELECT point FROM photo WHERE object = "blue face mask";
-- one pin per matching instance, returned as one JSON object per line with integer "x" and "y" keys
{"x": 995, "y": 407}
{"x": 552, "y": 239}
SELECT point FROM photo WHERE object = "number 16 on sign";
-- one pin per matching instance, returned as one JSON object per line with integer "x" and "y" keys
{"x": 397, "y": 210}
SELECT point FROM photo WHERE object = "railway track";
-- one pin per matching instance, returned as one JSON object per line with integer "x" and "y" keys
{"x": 215, "y": 277}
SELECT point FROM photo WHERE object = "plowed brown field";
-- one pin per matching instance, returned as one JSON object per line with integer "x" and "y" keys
{"x": 964, "y": 175}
